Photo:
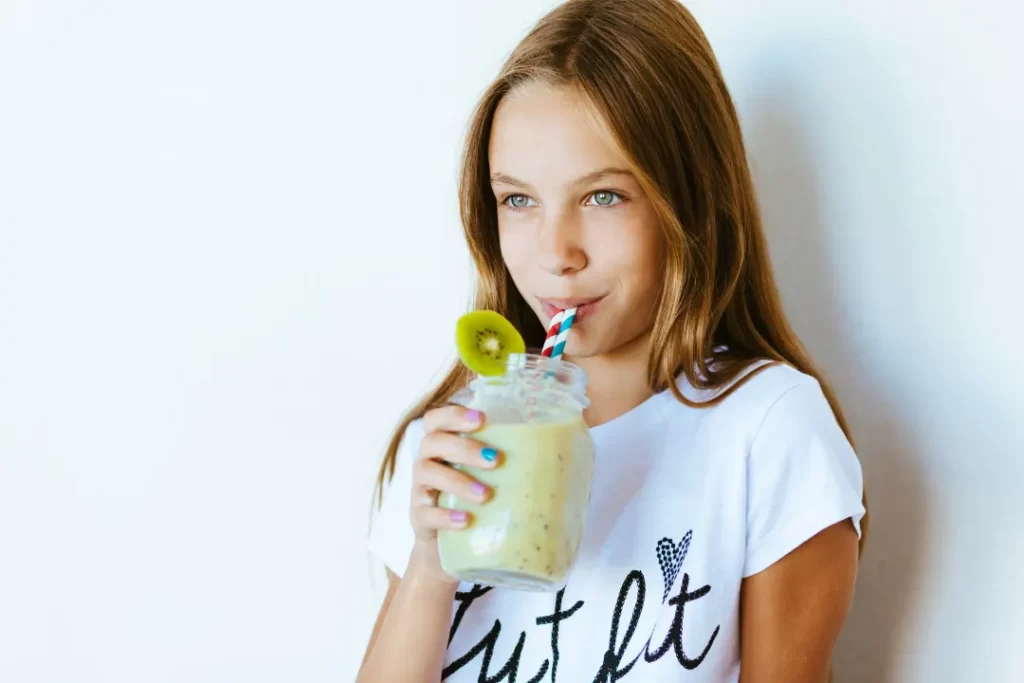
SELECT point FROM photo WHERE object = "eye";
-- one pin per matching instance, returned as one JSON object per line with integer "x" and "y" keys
{"x": 517, "y": 202}
{"x": 604, "y": 198}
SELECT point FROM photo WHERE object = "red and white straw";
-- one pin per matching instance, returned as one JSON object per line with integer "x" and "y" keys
{"x": 558, "y": 332}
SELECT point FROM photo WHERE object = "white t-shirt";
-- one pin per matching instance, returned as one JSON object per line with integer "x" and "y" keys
{"x": 686, "y": 502}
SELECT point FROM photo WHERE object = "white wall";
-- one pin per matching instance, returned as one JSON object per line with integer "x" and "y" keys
{"x": 229, "y": 258}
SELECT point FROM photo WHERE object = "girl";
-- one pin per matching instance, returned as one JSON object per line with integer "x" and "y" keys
{"x": 605, "y": 168}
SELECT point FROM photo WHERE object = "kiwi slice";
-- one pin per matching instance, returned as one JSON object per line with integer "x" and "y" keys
{"x": 485, "y": 339}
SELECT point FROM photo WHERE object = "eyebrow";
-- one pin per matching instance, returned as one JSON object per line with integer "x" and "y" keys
{"x": 584, "y": 180}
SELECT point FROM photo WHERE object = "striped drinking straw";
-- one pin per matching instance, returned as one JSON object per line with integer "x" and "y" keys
{"x": 558, "y": 332}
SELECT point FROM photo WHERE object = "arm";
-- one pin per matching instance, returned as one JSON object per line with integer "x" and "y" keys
{"x": 791, "y": 613}
{"x": 393, "y": 581}
{"x": 410, "y": 638}
{"x": 413, "y": 621}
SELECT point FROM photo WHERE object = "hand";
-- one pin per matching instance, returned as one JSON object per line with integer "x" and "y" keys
{"x": 433, "y": 474}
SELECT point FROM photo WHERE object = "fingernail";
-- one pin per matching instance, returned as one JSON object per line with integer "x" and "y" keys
{"x": 473, "y": 415}
{"x": 459, "y": 516}
{"x": 480, "y": 490}
{"x": 489, "y": 454}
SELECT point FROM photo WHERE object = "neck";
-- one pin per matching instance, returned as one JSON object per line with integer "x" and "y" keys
{"x": 616, "y": 381}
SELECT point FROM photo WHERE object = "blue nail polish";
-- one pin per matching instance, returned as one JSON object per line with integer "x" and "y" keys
{"x": 489, "y": 454}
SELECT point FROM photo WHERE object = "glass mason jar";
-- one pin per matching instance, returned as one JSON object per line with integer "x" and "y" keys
{"x": 528, "y": 534}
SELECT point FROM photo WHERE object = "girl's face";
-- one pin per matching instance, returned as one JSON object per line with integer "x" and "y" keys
{"x": 574, "y": 226}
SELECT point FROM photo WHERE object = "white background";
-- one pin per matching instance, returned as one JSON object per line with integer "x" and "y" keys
{"x": 230, "y": 258}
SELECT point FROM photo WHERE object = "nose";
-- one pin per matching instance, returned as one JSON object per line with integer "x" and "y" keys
{"x": 559, "y": 249}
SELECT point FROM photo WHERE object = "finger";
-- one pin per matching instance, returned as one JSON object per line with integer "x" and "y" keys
{"x": 426, "y": 496}
{"x": 453, "y": 419}
{"x": 431, "y": 474}
{"x": 430, "y": 517}
{"x": 457, "y": 449}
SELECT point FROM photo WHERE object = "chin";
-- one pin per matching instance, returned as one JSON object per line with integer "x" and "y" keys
{"x": 588, "y": 342}
{"x": 581, "y": 346}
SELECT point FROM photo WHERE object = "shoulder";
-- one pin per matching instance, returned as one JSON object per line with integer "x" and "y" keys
{"x": 415, "y": 432}
{"x": 408, "y": 446}
{"x": 391, "y": 534}
{"x": 764, "y": 383}
{"x": 412, "y": 436}
{"x": 763, "y": 389}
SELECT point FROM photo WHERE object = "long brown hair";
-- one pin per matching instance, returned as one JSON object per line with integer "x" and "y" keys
{"x": 647, "y": 70}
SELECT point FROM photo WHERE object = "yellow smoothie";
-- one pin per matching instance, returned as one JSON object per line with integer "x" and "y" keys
{"x": 527, "y": 535}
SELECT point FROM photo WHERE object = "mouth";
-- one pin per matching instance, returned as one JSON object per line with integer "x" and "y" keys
{"x": 585, "y": 307}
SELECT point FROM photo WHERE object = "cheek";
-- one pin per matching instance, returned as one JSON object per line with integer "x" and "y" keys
{"x": 649, "y": 255}
{"x": 635, "y": 255}
{"x": 515, "y": 250}
{"x": 650, "y": 262}
{"x": 642, "y": 275}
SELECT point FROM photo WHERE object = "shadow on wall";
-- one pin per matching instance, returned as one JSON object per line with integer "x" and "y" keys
{"x": 806, "y": 254}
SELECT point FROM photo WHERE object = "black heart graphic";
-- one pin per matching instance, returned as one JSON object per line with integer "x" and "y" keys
{"x": 670, "y": 559}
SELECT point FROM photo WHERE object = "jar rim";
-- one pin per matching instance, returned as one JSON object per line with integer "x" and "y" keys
{"x": 529, "y": 361}
{"x": 537, "y": 372}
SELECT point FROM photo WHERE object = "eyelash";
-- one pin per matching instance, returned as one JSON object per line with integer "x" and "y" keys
{"x": 617, "y": 195}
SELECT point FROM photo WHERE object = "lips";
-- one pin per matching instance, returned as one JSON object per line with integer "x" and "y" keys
{"x": 584, "y": 306}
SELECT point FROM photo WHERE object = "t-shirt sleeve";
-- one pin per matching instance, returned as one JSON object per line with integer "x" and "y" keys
{"x": 391, "y": 537}
{"x": 802, "y": 477}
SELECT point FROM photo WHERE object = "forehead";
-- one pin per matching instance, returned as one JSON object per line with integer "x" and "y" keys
{"x": 549, "y": 135}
